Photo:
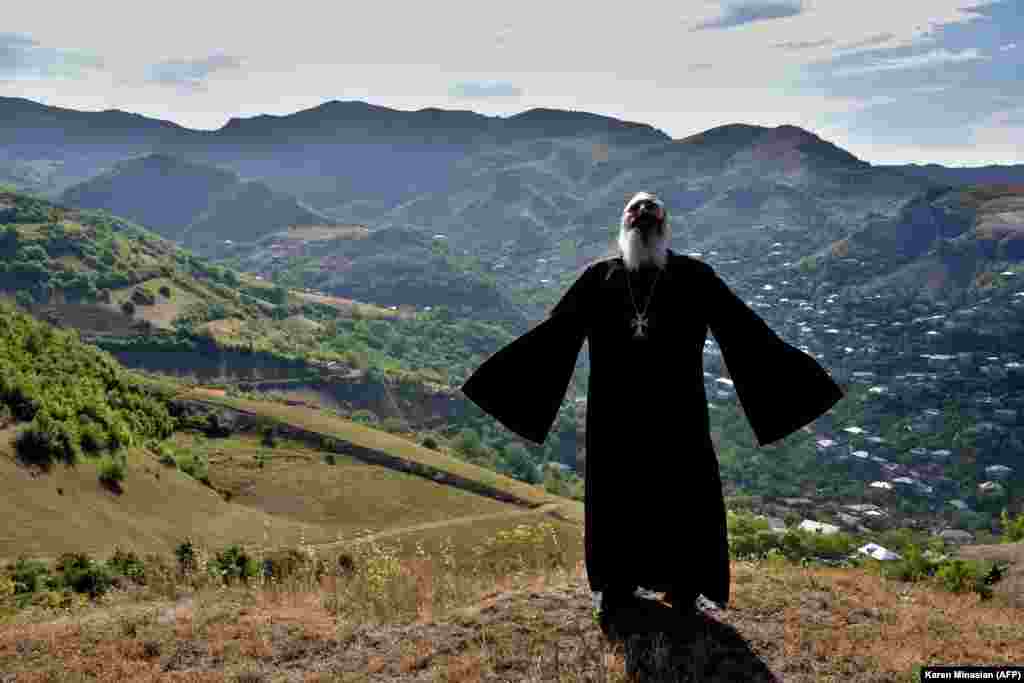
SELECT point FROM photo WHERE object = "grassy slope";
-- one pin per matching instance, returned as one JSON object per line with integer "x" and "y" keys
{"x": 295, "y": 497}
{"x": 395, "y": 445}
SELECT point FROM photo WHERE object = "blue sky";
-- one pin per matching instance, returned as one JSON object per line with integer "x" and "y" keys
{"x": 892, "y": 81}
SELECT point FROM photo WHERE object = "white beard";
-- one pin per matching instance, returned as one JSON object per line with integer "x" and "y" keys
{"x": 637, "y": 252}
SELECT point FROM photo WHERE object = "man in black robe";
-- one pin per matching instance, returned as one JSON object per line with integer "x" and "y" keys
{"x": 654, "y": 509}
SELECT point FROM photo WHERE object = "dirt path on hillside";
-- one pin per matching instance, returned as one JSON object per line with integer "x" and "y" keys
{"x": 547, "y": 508}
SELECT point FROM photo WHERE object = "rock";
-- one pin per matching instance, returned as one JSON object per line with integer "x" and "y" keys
{"x": 958, "y": 536}
{"x": 848, "y": 520}
{"x": 990, "y": 488}
{"x": 819, "y": 527}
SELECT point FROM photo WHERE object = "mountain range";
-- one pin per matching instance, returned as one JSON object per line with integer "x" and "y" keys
{"x": 523, "y": 200}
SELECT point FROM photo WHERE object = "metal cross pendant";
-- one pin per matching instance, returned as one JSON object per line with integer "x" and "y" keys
{"x": 639, "y": 324}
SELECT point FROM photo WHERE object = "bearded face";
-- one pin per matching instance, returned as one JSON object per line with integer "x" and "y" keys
{"x": 644, "y": 232}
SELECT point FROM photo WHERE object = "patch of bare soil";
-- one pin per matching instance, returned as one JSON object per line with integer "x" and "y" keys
{"x": 210, "y": 392}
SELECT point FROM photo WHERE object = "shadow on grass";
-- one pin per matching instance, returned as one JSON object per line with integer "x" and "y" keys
{"x": 662, "y": 644}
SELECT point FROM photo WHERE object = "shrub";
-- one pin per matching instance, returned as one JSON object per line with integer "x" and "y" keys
{"x": 33, "y": 447}
{"x": 234, "y": 563}
{"x": 83, "y": 575}
{"x": 93, "y": 437}
{"x": 965, "y": 576}
{"x": 468, "y": 442}
{"x": 47, "y": 439}
{"x": 284, "y": 563}
{"x": 219, "y": 425}
{"x": 186, "y": 556}
{"x": 269, "y": 438}
{"x": 128, "y": 565}
{"x": 111, "y": 472}
{"x": 330, "y": 459}
{"x": 168, "y": 460}
{"x": 760, "y": 543}
{"x": 29, "y": 575}
{"x": 196, "y": 467}
{"x": 1013, "y": 529}
{"x": 913, "y": 567}
{"x": 365, "y": 416}
{"x": 431, "y": 443}
{"x": 395, "y": 425}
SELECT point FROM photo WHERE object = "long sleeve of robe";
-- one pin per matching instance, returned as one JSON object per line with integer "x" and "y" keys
{"x": 523, "y": 384}
{"x": 762, "y": 366}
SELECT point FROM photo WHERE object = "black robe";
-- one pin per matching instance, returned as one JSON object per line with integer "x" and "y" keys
{"x": 655, "y": 512}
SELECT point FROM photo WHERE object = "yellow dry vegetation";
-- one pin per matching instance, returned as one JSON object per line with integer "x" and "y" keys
{"x": 395, "y": 445}
{"x": 316, "y": 233}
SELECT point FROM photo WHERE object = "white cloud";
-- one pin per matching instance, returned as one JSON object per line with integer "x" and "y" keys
{"x": 24, "y": 58}
{"x": 190, "y": 74}
{"x": 482, "y": 89}
{"x": 930, "y": 58}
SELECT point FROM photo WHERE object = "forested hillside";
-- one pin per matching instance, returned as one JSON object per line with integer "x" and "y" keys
{"x": 79, "y": 402}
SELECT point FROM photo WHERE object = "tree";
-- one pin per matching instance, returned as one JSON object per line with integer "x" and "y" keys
{"x": 519, "y": 464}
{"x": 33, "y": 253}
{"x": 555, "y": 482}
{"x": 1013, "y": 529}
{"x": 468, "y": 442}
{"x": 9, "y": 239}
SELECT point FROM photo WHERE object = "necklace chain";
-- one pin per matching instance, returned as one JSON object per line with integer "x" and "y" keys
{"x": 640, "y": 321}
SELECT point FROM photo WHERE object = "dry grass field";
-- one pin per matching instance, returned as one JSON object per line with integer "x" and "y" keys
{"x": 361, "y": 435}
{"x": 317, "y": 233}
{"x": 294, "y": 498}
{"x": 435, "y": 617}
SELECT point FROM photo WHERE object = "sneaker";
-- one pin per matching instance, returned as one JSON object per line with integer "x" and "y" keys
{"x": 706, "y": 605}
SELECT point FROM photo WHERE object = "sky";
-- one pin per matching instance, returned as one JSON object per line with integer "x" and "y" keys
{"x": 891, "y": 81}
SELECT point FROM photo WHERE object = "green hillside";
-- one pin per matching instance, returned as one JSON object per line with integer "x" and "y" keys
{"x": 94, "y": 456}
{"x": 50, "y": 254}
{"x": 78, "y": 402}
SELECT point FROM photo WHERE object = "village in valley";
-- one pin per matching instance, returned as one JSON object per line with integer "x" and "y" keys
{"x": 902, "y": 365}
